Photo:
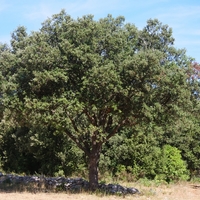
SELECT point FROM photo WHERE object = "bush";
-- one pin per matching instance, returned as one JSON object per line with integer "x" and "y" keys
{"x": 171, "y": 167}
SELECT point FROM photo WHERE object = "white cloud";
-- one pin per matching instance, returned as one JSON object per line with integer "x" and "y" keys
{"x": 182, "y": 16}
{"x": 76, "y": 8}
{"x": 183, "y": 20}
{"x": 41, "y": 11}
{"x": 182, "y": 12}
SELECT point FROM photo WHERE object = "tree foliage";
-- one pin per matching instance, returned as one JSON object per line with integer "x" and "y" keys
{"x": 42, "y": 151}
{"x": 88, "y": 79}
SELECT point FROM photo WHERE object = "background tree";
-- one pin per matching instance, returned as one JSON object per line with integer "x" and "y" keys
{"x": 42, "y": 151}
{"x": 88, "y": 79}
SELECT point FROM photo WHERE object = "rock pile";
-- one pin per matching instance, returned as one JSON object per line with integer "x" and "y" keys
{"x": 62, "y": 184}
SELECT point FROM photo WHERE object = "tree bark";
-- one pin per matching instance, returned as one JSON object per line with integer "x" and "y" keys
{"x": 93, "y": 166}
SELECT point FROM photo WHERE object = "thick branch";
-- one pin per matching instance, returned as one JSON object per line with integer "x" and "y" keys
{"x": 77, "y": 141}
{"x": 166, "y": 100}
{"x": 114, "y": 131}
{"x": 108, "y": 124}
{"x": 103, "y": 114}
{"x": 91, "y": 119}
{"x": 74, "y": 125}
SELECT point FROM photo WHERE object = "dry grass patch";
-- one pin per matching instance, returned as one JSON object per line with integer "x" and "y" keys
{"x": 183, "y": 191}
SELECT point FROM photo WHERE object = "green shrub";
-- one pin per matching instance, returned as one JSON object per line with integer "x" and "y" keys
{"x": 171, "y": 166}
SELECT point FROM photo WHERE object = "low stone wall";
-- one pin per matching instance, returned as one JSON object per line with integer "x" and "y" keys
{"x": 47, "y": 184}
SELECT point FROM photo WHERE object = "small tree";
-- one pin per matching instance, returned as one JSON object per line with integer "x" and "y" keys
{"x": 88, "y": 79}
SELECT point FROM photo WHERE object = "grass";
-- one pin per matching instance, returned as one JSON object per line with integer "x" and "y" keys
{"x": 150, "y": 191}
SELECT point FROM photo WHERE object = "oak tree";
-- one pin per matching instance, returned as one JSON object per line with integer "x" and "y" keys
{"x": 89, "y": 78}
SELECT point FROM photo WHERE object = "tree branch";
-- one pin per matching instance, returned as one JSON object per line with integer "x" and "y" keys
{"x": 114, "y": 131}
{"x": 92, "y": 119}
{"x": 77, "y": 141}
{"x": 74, "y": 125}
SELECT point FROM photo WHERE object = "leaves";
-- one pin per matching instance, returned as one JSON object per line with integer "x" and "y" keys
{"x": 89, "y": 79}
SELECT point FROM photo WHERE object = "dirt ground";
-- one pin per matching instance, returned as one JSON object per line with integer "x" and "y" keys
{"x": 183, "y": 191}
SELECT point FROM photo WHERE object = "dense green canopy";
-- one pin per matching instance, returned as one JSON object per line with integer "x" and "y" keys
{"x": 88, "y": 79}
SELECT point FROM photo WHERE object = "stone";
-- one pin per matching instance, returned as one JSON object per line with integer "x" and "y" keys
{"x": 132, "y": 190}
{"x": 67, "y": 184}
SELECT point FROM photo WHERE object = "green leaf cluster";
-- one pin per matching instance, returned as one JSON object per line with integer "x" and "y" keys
{"x": 86, "y": 80}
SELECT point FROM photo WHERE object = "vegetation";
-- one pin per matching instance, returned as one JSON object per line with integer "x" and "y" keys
{"x": 115, "y": 92}
{"x": 184, "y": 191}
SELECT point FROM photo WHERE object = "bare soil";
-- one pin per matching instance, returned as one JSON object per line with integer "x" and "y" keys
{"x": 181, "y": 191}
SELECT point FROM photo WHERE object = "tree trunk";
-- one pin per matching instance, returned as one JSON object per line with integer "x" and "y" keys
{"x": 93, "y": 167}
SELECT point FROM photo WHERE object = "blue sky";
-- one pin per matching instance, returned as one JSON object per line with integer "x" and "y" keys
{"x": 183, "y": 16}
